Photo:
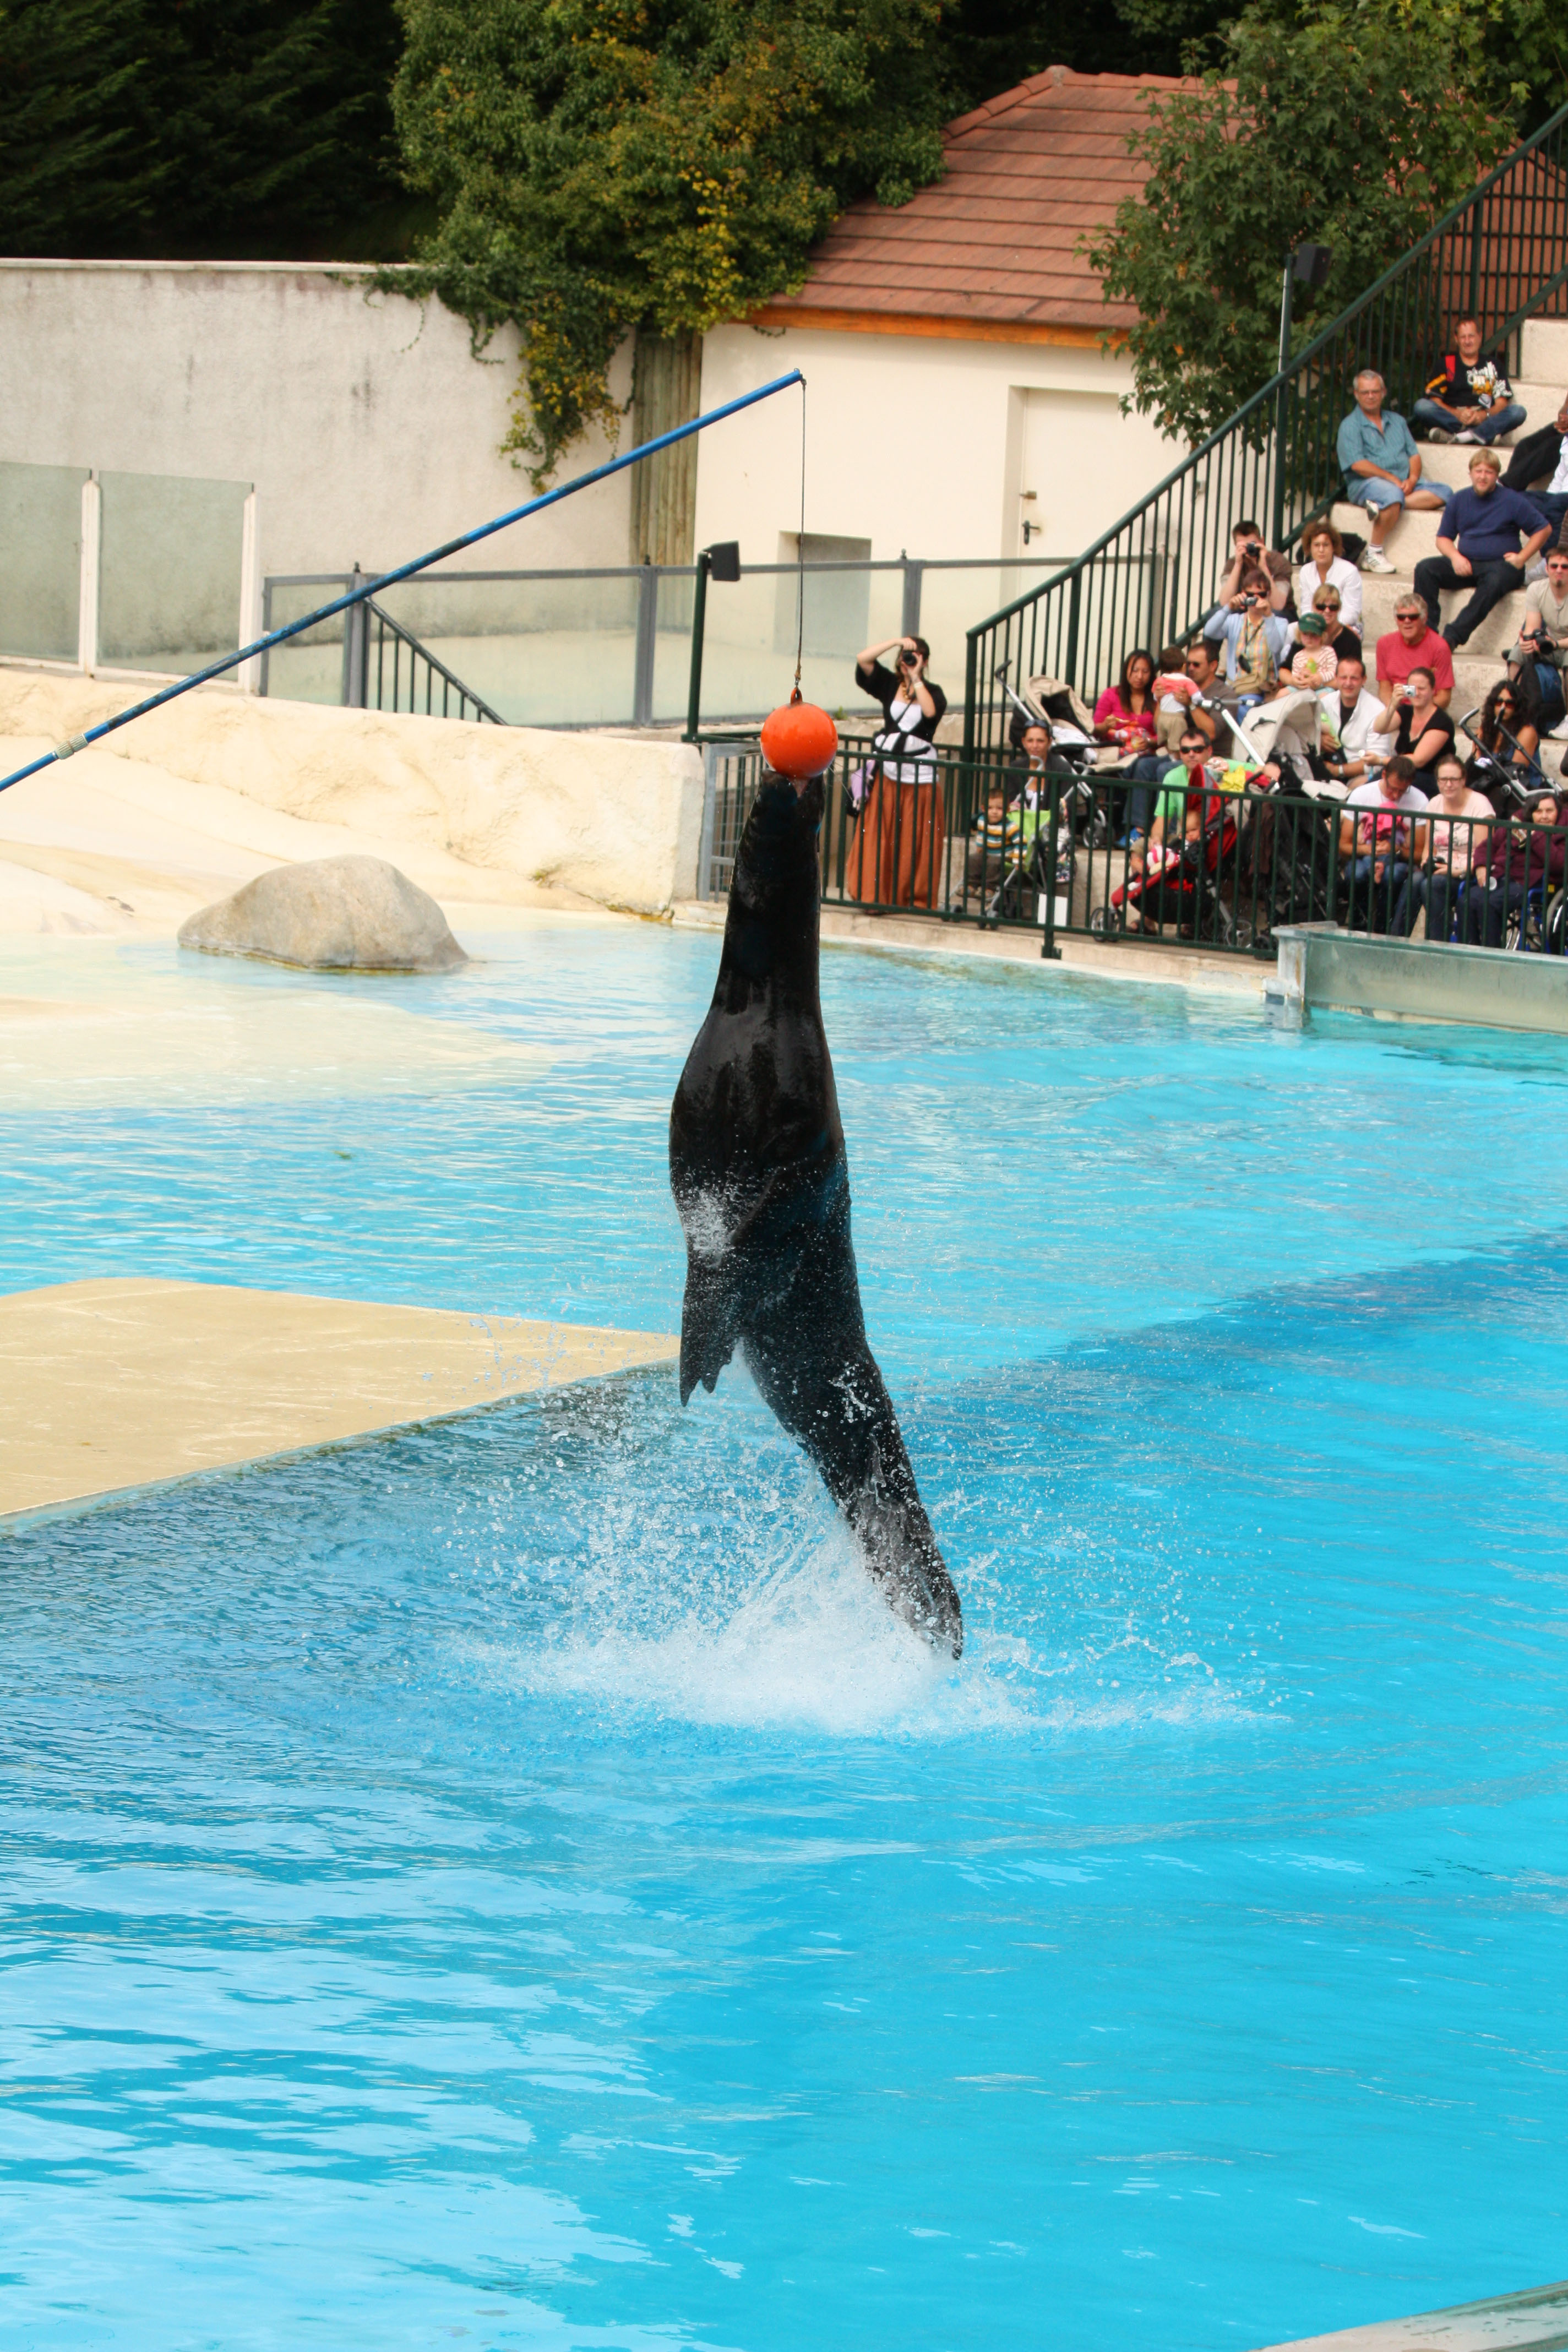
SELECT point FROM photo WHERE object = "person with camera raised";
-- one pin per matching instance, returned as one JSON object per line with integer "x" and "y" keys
{"x": 911, "y": 704}
{"x": 1543, "y": 635}
{"x": 1255, "y": 639}
{"x": 1250, "y": 554}
{"x": 895, "y": 855}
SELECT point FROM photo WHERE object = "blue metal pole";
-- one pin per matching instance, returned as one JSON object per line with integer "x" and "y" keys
{"x": 403, "y": 571}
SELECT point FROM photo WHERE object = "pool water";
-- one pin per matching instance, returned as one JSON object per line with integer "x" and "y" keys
{"x": 516, "y": 1883}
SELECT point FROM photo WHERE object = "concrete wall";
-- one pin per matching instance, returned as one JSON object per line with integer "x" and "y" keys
{"x": 365, "y": 424}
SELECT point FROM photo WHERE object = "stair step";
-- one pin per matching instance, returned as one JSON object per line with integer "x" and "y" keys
{"x": 1544, "y": 350}
{"x": 1412, "y": 537}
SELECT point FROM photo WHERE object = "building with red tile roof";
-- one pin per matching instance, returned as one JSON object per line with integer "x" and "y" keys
{"x": 992, "y": 249}
{"x": 966, "y": 382}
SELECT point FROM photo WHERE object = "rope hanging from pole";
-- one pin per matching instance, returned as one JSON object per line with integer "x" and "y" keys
{"x": 406, "y": 571}
{"x": 800, "y": 555}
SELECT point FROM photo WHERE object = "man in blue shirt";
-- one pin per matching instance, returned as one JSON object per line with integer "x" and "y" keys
{"x": 1382, "y": 466}
{"x": 1479, "y": 547}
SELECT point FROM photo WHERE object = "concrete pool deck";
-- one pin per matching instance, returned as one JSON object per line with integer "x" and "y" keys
{"x": 110, "y": 1387}
{"x": 1535, "y": 2321}
{"x": 1152, "y": 962}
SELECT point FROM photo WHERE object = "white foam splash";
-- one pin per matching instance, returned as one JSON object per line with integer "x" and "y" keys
{"x": 811, "y": 1643}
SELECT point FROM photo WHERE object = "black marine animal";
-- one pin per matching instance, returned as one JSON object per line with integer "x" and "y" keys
{"x": 761, "y": 1183}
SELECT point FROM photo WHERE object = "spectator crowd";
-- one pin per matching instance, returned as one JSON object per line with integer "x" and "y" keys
{"x": 1452, "y": 818}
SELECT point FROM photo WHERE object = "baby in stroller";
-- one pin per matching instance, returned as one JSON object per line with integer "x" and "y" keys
{"x": 1193, "y": 831}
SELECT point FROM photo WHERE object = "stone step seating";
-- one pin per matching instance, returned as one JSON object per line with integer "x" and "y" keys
{"x": 1539, "y": 388}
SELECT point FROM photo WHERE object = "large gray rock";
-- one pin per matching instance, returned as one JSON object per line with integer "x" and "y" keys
{"x": 333, "y": 914}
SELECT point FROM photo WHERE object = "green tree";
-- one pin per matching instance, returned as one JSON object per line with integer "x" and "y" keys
{"x": 72, "y": 75}
{"x": 1353, "y": 126}
{"x": 604, "y": 165}
{"x": 260, "y": 127}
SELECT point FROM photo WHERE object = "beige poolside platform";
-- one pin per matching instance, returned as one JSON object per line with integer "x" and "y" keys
{"x": 111, "y": 1386}
{"x": 1535, "y": 2321}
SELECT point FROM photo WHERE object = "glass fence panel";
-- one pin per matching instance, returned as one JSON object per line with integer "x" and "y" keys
{"x": 40, "y": 580}
{"x": 952, "y": 600}
{"x": 169, "y": 582}
{"x": 544, "y": 651}
{"x": 562, "y": 649}
{"x": 749, "y": 641}
{"x": 309, "y": 667}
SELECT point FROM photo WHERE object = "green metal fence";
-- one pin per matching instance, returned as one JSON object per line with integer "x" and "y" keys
{"x": 1502, "y": 254}
{"x": 1222, "y": 870}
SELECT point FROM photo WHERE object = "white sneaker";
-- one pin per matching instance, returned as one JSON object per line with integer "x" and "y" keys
{"x": 1466, "y": 439}
{"x": 1439, "y": 432}
{"x": 1374, "y": 560}
{"x": 1559, "y": 734}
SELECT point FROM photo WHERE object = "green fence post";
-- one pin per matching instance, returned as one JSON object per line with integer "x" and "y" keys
{"x": 699, "y": 622}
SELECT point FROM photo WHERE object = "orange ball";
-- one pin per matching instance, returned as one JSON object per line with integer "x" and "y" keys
{"x": 799, "y": 740}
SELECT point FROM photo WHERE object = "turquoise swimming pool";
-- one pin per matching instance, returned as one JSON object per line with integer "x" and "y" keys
{"x": 515, "y": 1883}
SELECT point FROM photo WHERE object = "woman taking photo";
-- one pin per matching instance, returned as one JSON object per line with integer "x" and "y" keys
{"x": 896, "y": 852}
{"x": 1325, "y": 564}
{"x": 1421, "y": 728}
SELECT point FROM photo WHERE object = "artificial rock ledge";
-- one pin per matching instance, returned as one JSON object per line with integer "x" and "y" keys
{"x": 332, "y": 914}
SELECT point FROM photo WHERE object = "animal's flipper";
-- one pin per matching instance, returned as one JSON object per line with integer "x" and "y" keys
{"x": 709, "y": 1323}
{"x": 826, "y": 1389}
{"x": 727, "y": 1290}
{"x": 902, "y": 1553}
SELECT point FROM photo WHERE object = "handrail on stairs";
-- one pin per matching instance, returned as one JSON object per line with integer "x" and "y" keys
{"x": 367, "y": 686}
{"x": 1149, "y": 579}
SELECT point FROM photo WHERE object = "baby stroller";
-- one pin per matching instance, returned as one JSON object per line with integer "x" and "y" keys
{"x": 1182, "y": 883}
{"x": 1287, "y": 868}
{"x": 1051, "y": 703}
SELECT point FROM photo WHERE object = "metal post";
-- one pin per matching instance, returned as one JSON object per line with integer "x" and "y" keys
{"x": 709, "y": 812}
{"x": 92, "y": 549}
{"x": 1475, "y": 256}
{"x": 1075, "y": 603}
{"x": 250, "y": 672}
{"x": 356, "y": 649}
{"x": 1049, "y": 951}
{"x": 910, "y": 627}
{"x": 699, "y": 622}
{"x": 1277, "y": 527}
{"x": 646, "y": 646}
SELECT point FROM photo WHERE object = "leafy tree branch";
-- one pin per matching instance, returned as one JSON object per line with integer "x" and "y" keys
{"x": 1353, "y": 126}
{"x": 602, "y": 165}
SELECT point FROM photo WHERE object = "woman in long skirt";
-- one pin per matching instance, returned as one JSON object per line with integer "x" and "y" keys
{"x": 897, "y": 853}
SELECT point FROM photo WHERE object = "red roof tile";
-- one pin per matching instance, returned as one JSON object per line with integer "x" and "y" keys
{"x": 995, "y": 239}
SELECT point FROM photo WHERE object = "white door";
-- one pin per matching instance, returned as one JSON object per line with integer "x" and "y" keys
{"x": 1073, "y": 482}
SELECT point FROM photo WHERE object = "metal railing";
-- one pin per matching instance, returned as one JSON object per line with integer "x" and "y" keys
{"x": 1223, "y": 869}
{"x": 1502, "y": 254}
{"x": 614, "y": 646}
{"x": 385, "y": 667}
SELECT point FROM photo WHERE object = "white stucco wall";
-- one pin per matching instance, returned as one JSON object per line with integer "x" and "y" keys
{"x": 365, "y": 424}
{"x": 918, "y": 443}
